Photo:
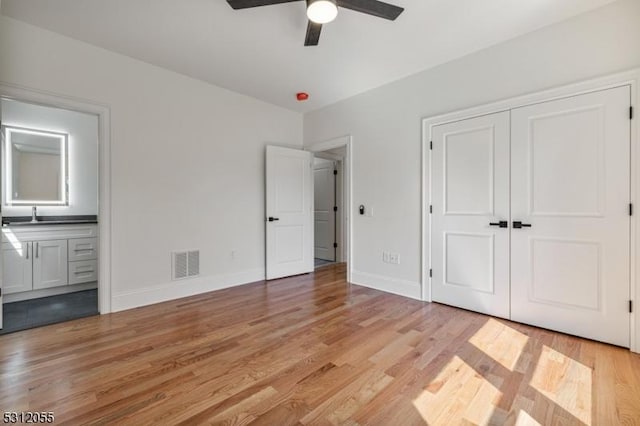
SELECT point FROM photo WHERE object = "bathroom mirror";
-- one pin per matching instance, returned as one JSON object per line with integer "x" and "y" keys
{"x": 34, "y": 167}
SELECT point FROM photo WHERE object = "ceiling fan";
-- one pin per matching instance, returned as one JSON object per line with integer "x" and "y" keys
{"x": 323, "y": 11}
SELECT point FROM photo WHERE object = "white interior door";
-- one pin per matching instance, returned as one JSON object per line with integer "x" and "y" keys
{"x": 570, "y": 183}
{"x": 470, "y": 191}
{"x": 324, "y": 216}
{"x": 289, "y": 199}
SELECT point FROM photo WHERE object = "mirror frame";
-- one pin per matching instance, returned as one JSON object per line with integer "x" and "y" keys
{"x": 7, "y": 187}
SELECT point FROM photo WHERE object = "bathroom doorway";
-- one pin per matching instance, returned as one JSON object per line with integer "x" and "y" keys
{"x": 49, "y": 174}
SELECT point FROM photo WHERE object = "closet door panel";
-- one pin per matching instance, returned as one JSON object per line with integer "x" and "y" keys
{"x": 470, "y": 190}
{"x": 570, "y": 182}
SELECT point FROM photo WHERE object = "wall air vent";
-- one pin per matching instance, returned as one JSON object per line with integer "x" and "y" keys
{"x": 185, "y": 264}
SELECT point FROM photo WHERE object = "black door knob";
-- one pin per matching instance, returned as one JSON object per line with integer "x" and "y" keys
{"x": 517, "y": 224}
{"x": 501, "y": 224}
{"x": 271, "y": 219}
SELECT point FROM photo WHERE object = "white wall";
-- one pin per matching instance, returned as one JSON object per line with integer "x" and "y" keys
{"x": 187, "y": 161}
{"x": 83, "y": 154}
{"x": 385, "y": 124}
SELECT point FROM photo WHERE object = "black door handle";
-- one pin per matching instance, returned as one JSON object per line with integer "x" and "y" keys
{"x": 271, "y": 219}
{"x": 501, "y": 224}
{"x": 517, "y": 224}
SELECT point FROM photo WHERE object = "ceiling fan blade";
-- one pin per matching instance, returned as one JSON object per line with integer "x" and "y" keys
{"x": 373, "y": 7}
{"x": 313, "y": 34}
{"x": 244, "y": 4}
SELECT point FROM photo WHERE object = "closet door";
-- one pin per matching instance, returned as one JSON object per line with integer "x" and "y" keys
{"x": 570, "y": 183}
{"x": 470, "y": 192}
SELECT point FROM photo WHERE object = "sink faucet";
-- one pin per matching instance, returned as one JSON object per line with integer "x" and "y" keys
{"x": 33, "y": 214}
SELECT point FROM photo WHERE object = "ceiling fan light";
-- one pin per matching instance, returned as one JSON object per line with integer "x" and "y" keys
{"x": 322, "y": 11}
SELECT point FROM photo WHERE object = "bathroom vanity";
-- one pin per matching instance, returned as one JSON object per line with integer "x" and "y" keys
{"x": 49, "y": 257}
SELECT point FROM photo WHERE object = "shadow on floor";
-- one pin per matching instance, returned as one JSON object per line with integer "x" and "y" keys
{"x": 48, "y": 310}
{"x": 321, "y": 262}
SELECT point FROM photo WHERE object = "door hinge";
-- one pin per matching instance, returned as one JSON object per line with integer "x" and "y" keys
{"x": 430, "y": 208}
{"x": 430, "y": 273}
{"x": 335, "y": 245}
{"x": 430, "y": 144}
{"x": 335, "y": 208}
{"x": 630, "y": 306}
{"x": 335, "y": 172}
{"x": 630, "y": 209}
{"x": 630, "y": 113}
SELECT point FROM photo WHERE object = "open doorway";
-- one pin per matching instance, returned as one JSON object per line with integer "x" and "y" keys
{"x": 49, "y": 180}
{"x": 332, "y": 202}
{"x": 80, "y": 217}
{"x": 289, "y": 209}
{"x": 328, "y": 206}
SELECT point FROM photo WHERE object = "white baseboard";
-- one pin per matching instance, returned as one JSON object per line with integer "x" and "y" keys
{"x": 46, "y": 292}
{"x": 404, "y": 288}
{"x": 182, "y": 288}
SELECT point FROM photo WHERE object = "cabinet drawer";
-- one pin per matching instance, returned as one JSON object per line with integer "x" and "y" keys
{"x": 83, "y": 271}
{"x": 83, "y": 249}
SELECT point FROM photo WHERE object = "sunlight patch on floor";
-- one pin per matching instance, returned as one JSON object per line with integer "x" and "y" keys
{"x": 564, "y": 381}
{"x": 458, "y": 392}
{"x": 501, "y": 342}
{"x": 524, "y": 419}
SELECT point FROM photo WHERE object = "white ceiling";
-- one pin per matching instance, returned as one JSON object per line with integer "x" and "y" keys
{"x": 260, "y": 52}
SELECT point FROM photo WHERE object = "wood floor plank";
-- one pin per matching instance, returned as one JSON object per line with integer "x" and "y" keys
{"x": 314, "y": 349}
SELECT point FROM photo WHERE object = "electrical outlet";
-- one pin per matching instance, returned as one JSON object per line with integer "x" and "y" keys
{"x": 394, "y": 258}
{"x": 385, "y": 256}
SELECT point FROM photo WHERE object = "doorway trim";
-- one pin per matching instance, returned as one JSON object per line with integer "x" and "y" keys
{"x": 102, "y": 111}
{"x": 628, "y": 78}
{"x": 347, "y": 183}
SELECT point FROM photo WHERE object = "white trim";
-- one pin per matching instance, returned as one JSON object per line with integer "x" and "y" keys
{"x": 628, "y": 78}
{"x": 328, "y": 156}
{"x": 347, "y": 175}
{"x": 188, "y": 287}
{"x": 40, "y": 97}
{"x": 397, "y": 286}
{"x": 635, "y": 229}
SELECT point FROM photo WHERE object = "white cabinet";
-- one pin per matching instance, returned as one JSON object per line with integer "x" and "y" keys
{"x": 16, "y": 258}
{"x": 83, "y": 271}
{"x": 43, "y": 257}
{"x": 34, "y": 265}
{"x": 83, "y": 260}
{"x": 83, "y": 249}
{"x": 49, "y": 264}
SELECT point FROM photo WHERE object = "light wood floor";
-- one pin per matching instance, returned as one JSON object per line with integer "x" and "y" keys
{"x": 313, "y": 350}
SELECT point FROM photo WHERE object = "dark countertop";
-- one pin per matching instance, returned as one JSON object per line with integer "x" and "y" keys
{"x": 49, "y": 220}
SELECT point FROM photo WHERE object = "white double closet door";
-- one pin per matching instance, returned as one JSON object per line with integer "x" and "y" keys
{"x": 530, "y": 215}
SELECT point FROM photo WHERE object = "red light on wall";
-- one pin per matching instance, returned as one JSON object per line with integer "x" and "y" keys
{"x": 302, "y": 96}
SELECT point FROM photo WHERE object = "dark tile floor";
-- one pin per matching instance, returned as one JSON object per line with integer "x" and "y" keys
{"x": 48, "y": 310}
